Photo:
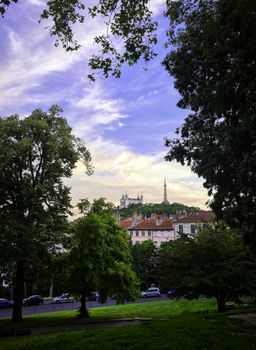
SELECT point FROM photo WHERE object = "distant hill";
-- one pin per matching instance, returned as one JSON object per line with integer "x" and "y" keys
{"x": 156, "y": 208}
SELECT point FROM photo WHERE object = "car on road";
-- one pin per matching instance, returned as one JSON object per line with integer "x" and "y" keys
{"x": 151, "y": 292}
{"x": 64, "y": 298}
{"x": 94, "y": 296}
{"x": 5, "y": 303}
{"x": 33, "y": 300}
{"x": 171, "y": 293}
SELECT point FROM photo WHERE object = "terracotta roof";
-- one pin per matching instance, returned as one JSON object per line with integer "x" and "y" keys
{"x": 203, "y": 215}
{"x": 126, "y": 223}
{"x": 155, "y": 223}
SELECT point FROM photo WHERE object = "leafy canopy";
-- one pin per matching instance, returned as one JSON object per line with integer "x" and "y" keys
{"x": 128, "y": 20}
{"x": 100, "y": 257}
{"x": 213, "y": 64}
{"x": 214, "y": 262}
{"x": 36, "y": 154}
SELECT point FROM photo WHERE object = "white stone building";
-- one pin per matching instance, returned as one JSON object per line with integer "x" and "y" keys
{"x": 125, "y": 201}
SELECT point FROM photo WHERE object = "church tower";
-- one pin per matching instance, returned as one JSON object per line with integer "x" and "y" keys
{"x": 165, "y": 200}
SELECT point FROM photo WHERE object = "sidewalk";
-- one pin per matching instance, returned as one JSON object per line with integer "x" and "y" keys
{"x": 83, "y": 324}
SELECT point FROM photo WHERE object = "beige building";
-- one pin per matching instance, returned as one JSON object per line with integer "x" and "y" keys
{"x": 157, "y": 228}
{"x": 189, "y": 224}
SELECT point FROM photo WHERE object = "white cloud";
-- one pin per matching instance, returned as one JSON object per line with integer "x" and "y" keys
{"x": 117, "y": 169}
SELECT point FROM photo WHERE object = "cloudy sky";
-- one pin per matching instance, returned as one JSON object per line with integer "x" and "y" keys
{"x": 124, "y": 121}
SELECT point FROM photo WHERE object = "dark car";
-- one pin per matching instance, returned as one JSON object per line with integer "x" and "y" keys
{"x": 5, "y": 303}
{"x": 33, "y": 300}
{"x": 171, "y": 293}
{"x": 94, "y": 296}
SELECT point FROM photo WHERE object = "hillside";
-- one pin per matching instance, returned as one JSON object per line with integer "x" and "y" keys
{"x": 157, "y": 208}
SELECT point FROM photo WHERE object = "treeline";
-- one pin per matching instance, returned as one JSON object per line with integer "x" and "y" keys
{"x": 158, "y": 208}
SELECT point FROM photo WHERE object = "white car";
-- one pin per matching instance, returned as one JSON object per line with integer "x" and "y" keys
{"x": 64, "y": 298}
{"x": 151, "y": 292}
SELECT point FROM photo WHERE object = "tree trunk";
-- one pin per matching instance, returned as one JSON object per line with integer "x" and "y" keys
{"x": 221, "y": 299}
{"x": 83, "y": 310}
{"x": 18, "y": 292}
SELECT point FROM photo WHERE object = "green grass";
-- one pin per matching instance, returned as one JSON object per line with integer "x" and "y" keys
{"x": 191, "y": 331}
{"x": 189, "y": 327}
{"x": 154, "y": 310}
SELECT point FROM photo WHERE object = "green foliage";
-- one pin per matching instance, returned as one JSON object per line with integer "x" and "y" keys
{"x": 100, "y": 257}
{"x": 156, "y": 208}
{"x": 144, "y": 263}
{"x": 36, "y": 154}
{"x": 214, "y": 262}
{"x": 213, "y": 64}
{"x": 128, "y": 20}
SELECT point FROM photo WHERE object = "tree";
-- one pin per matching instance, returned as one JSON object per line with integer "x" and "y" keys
{"x": 213, "y": 63}
{"x": 156, "y": 208}
{"x": 100, "y": 257}
{"x": 214, "y": 262}
{"x": 144, "y": 262}
{"x": 36, "y": 154}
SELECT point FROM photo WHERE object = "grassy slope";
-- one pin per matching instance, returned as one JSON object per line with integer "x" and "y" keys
{"x": 148, "y": 309}
{"x": 185, "y": 330}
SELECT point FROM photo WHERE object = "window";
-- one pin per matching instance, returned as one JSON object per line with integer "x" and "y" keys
{"x": 137, "y": 233}
{"x": 192, "y": 228}
{"x": 149, "y": 233}
{"x": 180, "y": 228}
{"x": 131, "y": 233}
{"x": 143, "y": 233}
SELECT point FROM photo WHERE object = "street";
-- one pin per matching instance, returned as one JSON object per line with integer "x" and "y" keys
{"x": 49, "y": 307}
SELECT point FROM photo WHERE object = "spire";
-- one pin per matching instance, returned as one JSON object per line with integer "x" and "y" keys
{"x": 165, "y": 200}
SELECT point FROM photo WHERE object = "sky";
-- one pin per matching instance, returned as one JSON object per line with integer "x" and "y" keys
{"x": 123, "y": 121}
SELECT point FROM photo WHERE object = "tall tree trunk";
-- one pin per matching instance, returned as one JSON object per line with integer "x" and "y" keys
{"x": 221, "y": 299}
{"x": 83, "y": 310}
{"x": 18, "y": 292}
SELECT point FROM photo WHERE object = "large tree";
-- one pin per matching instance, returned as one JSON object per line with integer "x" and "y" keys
{"x": 213, "y": 63}
{"x": 144, "y": 257}
{"x": 36, "y": 153}
{"x": 100, "y": 257}
{"x": 214, "y": 262}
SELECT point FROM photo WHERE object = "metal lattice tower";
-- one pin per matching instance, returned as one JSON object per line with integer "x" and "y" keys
{"x": 165, "y": 200}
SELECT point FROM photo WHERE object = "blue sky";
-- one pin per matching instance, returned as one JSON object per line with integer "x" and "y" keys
{"x": 123, "y": 121}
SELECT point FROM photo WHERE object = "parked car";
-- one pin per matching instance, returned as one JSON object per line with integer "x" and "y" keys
{"x": 33, "y": 300}
{"x": 143, "y": 294}
{"x": 151, "y": 292}
{"x": 171, "y": 293}
{"x": 94, "y": 296}
{"x": 64, "y": 298}
{"x": 5, "y": 303}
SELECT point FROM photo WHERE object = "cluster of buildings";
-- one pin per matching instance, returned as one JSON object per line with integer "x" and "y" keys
{"x": 160, "y": 228}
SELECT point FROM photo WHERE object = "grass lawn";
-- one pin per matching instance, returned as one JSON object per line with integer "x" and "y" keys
{"x": 155, "y": 310}
{"x": 188, "y": 328}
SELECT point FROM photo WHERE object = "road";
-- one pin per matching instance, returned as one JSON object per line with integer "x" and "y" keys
{"x": 49, "y": 307}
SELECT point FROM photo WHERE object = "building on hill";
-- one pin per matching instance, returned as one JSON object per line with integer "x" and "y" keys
{"x": 125, "y": 201}
{"x": 157, "y": 228}
{"x": 188, "y": 224}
